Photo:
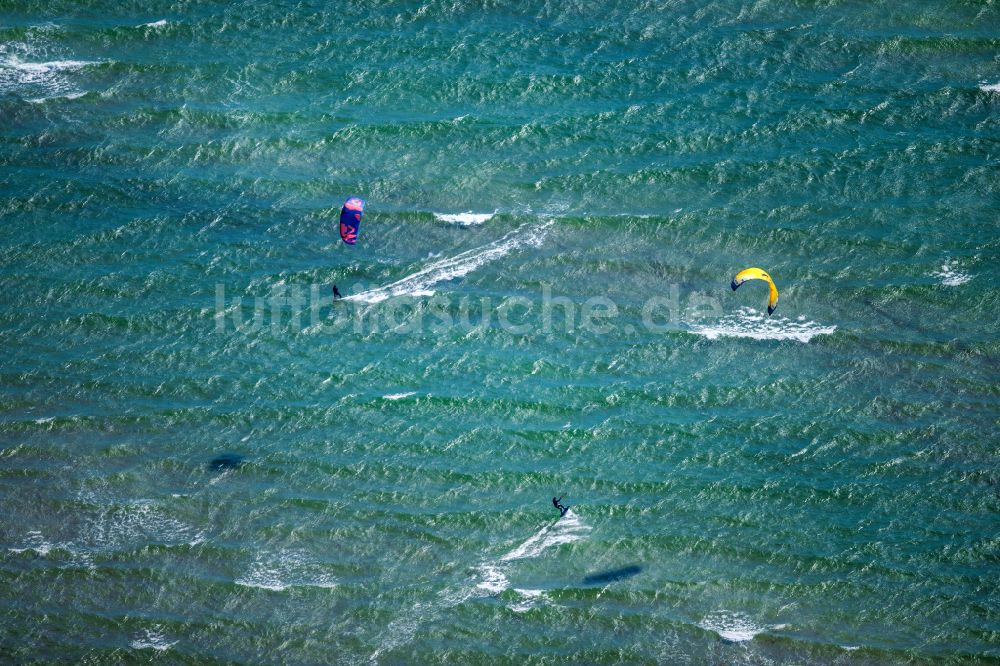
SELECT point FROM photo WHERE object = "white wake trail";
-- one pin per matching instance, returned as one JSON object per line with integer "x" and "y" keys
{"x": 450, "y": 268}
{"x": 492, "y": 582}
{"x": 567, "y": 529}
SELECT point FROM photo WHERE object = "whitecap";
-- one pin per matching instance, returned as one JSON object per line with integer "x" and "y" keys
{"x": 45, "y": 67}
{"x": 731, "y": 626}
{"x": 467, "y": 219}
{"x": 49, "y": 78}
{"x": 398, "y": 396}
{"x": 155, "y": 24}
{"x": 40, "y": 100}
{"x": 139, "y": 522}
{"x": 950, "y": 276}
{"x": 493, "y": 579}
{"x": 117, "y": 525}
{"x": 264, "y": 580}
{"x": 529, "y": 599}
{"x": 990, "y": 87}
{"x": 748, "y": 323}
{"x": 288, "y": 568}
{"x": 154, "y": 639}
{"x": 36, "y": 543}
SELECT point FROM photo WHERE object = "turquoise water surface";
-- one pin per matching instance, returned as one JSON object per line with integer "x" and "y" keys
{"x": 205, "y": 460}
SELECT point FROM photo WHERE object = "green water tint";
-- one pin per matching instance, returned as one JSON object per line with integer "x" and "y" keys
{"x": 775, "y": 490}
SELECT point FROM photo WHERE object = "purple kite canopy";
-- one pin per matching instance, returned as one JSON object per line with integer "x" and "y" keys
{"x": 350, "y": 219}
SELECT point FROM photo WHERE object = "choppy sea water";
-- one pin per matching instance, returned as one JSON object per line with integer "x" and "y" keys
{"x": 204, "y": 459}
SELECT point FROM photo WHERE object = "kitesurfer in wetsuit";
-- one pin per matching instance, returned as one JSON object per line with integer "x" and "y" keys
{"x": 336, "y": 293}
{"x": 557, "y": 503}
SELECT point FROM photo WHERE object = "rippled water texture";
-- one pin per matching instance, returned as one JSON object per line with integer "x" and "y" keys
{"x": 201, "y": 462}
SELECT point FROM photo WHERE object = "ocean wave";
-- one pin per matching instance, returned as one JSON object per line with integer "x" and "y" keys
{"x": 465, "y": 219}
{"x": 48, "y": 78}
{"x": 36, "y": 543}
{"x": 950, "y": 276}
{"x": 115, "y": 526}
{"x": 419, "y": 283}
{"x": 398, "y": 396}
{"x": 749, "y": 323}
{"x": 990, "y": 87}
{"x": 35, "y": 68}
{"x": 734, "y": 627}
{"x": 139, "y": 522}
{"x": 40, "y": 100}
{"x": 494, "y": 581}
{"x": 68, "y": 552}
{"x": 529, "y": 599}
{"x": 152, "y": 639}
{"x": 284, "y": 570}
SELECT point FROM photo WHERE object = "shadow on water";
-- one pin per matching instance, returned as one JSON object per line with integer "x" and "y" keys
{"x": 226, "y": 461}
{"x": 613, "y": 575}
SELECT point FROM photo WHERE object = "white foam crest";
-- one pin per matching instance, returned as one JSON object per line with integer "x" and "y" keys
{"x": 36, "y": 544}
{"x": 284, "y": 570}
{"x": 398, "y": 396}
{"x": 567, "y": 529}
{"x": 139, "y": 522}
{"x": 45, "y": 67}
{"x": 155, "y": 24}
{"x": 450, "y": 268}
{"x": 39, "y": 100}
{"x": 990, "y": 87}
{"x": 529, "y": 599}
{"x": 467, "y": 219}
{"x": 493, "y": 579}
{"x": 153, "y": 638}
{"x": 48, "y": 78}
{"x": 748, "y": 323}
{"x": 950, "y": 276}
{"x": 733, "y": 626}
{"x": 130, "y": 524}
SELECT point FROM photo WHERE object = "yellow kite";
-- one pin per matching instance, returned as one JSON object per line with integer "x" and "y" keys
{"x": 757, "y": 274}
